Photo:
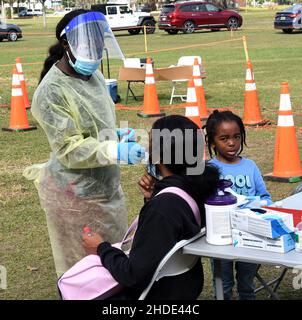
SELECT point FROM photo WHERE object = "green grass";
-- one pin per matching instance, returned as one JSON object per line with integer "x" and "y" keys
{"x": 25, "y": 248}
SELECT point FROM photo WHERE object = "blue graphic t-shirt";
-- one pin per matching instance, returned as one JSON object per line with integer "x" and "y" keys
{"x": 245, "y": 176}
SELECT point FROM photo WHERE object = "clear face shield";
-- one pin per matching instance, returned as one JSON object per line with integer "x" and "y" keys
{"x": 89, "y": 35}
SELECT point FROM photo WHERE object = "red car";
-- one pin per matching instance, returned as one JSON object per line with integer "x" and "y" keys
{"x": 192, "y": 15}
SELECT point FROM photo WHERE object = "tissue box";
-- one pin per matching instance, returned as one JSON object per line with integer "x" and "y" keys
{"x": 271, "y": 224}
{"x": 282, "y": 244}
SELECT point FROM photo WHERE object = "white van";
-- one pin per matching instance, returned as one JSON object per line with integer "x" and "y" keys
{"x": 34, "y": 12}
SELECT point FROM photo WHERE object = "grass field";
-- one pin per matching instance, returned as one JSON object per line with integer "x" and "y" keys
{"x": 25, "y": 249}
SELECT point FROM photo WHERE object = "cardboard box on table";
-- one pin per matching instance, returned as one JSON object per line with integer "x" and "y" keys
{"x": 160, "y": 74}
{"x": 271, "y": 224}
{"x": 283, "y": 244}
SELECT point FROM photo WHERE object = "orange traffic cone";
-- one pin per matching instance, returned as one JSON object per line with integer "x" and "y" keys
{"x": 252, "y": 114}
{"x": 18, "y": 116}
{"x": 192, "y": 109}
{"x": 22, "y": 81}
{"x": 199, "y": 90}
{"x": 151, "y": 105}
{"x": 287, "y": 165}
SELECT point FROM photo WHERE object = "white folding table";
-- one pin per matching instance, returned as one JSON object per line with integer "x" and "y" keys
{"x": 200, "y": 247}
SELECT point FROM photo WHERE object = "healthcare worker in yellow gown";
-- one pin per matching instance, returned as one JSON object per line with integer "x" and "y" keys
{"x": 80, "y": 184}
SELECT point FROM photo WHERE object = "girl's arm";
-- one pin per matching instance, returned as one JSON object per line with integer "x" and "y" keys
{"x": 153, "y": 239}
{"x": 261, "y": 187}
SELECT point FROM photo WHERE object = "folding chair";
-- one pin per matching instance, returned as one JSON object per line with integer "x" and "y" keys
{"x": 132, "y": 63}
{"x": 183, "y": 61}
{"x": 174, "y": 263}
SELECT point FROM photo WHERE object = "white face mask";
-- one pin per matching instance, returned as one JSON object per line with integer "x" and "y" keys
{"x": 84, "y": 67}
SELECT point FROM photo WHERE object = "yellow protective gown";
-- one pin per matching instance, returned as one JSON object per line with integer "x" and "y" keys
{"x": 80, "y": 184}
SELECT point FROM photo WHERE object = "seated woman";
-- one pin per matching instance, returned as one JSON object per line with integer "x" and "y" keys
{"x": 165, "y": 219}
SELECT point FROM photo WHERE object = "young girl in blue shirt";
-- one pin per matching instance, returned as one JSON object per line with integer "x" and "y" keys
{"x": 225, "y": 136}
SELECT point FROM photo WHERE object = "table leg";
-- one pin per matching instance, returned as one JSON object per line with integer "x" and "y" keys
{"x": 267, "y": 287}
{"x": 135, "y": 98}
{"x": 279, "y": 280}
{"x": 127, "y": 94}
{"x": 218, "y": 279}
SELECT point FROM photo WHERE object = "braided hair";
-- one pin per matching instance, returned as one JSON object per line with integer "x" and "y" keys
{"x": 56, "y": 51}
{"x": 212, "y": 123}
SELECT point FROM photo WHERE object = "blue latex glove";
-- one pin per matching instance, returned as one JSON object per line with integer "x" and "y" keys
{"x": 130, "y": 152}
{"x": 126, "y": 134}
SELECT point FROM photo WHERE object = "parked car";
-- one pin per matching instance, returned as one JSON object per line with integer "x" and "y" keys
{"x": 11, "y": 32}
{"x": 23, "y": 13}
{"x": 289, "y": 19}
{"x": 34, "y": 12}
{"x": 192, "y": 15}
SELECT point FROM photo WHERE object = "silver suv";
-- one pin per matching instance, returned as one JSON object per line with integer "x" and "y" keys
{"x": 121, "y": 17}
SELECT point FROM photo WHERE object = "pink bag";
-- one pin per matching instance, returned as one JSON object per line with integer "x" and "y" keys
{"x": 88, "y": 279}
